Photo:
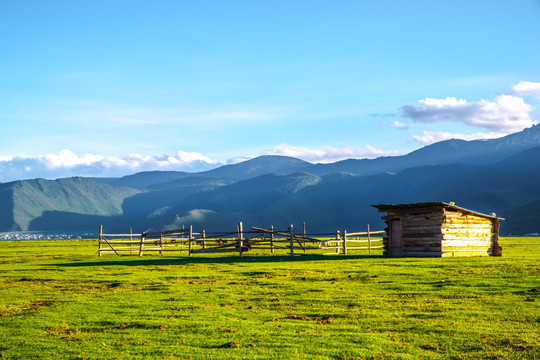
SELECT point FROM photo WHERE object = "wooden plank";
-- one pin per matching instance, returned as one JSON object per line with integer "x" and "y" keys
{"x": 363, "y": 241}
{"x": 119, "y": 242}
{"x": 344, "y": 242}
{"x": 466, "y": 230}
{"x": 369, "y": 239}
{"x": 422, "y": 253}
{"x": 435, "y": 237}
{"x": 301, "y": 247}
{"x": 421, "y": 240}
{"x": 453, "y": 237}
{"x": 366, "y": 233}
{"x": 408, "y": 233}
{"x": 291, "y": 238}
{"x": 213, "y": 250}
{"x": 422, "y": 249}
{"x": 422, "y": 243}
{"x": 466, "y": 249}
{"x": 100, "y": 239}
{"x": 272, "y": 247}
{"x": 465, "y": 253}
{"x": 364, "y": 247}
{"x": 241, "y": 239}
{"x": 464, "y": 243}
{"x": 104, "y": 251}
{"x": 190, "y": 240}
{"x": 455, "y": 221}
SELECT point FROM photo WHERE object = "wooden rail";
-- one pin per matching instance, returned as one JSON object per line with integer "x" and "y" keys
{"x": 239, "y": 241}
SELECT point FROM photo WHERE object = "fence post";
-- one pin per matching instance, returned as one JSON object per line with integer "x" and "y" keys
{"x": 368, "y": 240}
{"x": 130, "y": 240}
{"x": 304, "y": 239}
{"x": 141, "y": 245}
{"x": 344, "y": 242}
{"x": 160, "y": 244}
{"x": 240, "y": 237}
{"x": 203, "y": 233}
{"x": 291, "y": 239}
{"x": 100, "y": 239}
{"x": 272, "y": 239}
{"x": 338, "y": 235}
{"x": 190, "y": 238}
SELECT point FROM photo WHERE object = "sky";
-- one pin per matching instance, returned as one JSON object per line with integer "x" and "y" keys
{"x": 110, "y": 88}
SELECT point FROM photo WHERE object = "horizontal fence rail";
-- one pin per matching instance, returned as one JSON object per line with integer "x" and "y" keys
{"x": 240, "y": 241}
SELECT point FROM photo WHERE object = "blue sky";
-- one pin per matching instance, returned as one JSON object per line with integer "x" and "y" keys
{"x": 108, "y": 88}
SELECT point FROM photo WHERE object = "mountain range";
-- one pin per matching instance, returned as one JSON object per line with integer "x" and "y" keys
{"x": 498, "y": 175}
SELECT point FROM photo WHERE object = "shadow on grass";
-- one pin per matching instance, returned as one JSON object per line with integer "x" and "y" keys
{"x": 215, "y": 260}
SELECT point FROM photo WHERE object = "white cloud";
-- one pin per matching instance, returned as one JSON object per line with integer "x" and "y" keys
{"x": 400, "y": 125}
{"x": 430, "y": 137}
{"x": 329, "y": 154}
{"x": 506, "y": 114}
{"x": 66, "y": 163}
{"x": 67, "y": 159}
{"x": 396, "y": 124}
{"x": 238, "y": 159}
{"x": 120, "y": 115}
{"x": 526, "y": 88}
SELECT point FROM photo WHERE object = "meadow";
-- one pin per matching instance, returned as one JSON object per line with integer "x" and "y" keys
{"x": 59, "y": 300}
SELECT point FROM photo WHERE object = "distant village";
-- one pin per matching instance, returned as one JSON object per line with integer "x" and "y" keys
{"x": 45, "y": 236}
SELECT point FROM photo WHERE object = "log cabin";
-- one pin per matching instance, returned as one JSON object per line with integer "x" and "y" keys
{"x": 438, "y": 229}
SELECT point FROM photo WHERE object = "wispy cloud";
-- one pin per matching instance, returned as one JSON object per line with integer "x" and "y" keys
{"x": 397, "y": 125}
{"x": 430, "y": 137}
{"x": 238, "y": 159}
{"x": 66, "y": 163}
{"x": 83, "y": 112}
{"x": 526, "y": 88}
{"x": 329, "y": 154}
{"x": 383, "y": 115}
{"x": 505, "y": 114}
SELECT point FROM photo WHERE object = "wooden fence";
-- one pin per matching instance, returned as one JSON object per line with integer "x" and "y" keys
{"x": 340, "y": 242}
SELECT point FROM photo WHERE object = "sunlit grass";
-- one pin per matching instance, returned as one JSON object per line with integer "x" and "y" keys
{"x": 59, "y": 300}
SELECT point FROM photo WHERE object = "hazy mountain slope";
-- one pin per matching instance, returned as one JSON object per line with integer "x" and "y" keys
{"x": 7, "y": 205}
{"x": 498, "y": 188}
{"x": 252, "y": 194}
{"x": 342, "y": 201}
{"x": 523, "y": 219}
{"x": 240, "y": 198}
{"x": 194, "y": 181}
{"x": 32, "y": 198}
{"x": 259, "y": 166}
{"x": 144, "y": 179}
{"x": 442, "y": 153}
{"x": 162, "y": 195}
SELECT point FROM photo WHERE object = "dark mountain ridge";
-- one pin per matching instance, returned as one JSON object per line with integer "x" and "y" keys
{"x": 446, "y": 152}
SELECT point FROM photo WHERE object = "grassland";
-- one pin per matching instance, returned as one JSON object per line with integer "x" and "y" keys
{"x": 58, "y": 300}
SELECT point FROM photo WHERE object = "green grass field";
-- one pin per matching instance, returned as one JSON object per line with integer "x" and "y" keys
{"x": 58, "y": 300}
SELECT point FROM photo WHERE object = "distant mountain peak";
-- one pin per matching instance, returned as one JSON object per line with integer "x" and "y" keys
{"x": 528, "y": 136}
{"x": 259, "y": 166}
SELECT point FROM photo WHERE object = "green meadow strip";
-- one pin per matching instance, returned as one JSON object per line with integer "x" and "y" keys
{"x": 59, "y": 300}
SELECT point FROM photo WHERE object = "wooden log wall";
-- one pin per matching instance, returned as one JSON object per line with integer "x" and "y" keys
{"x": 440, "y": 232}
{"x": 466, "y": 234}
{"x": 421, "y": 233}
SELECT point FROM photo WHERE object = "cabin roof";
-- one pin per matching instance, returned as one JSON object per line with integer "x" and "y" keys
{"x": 440, "y": 204}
